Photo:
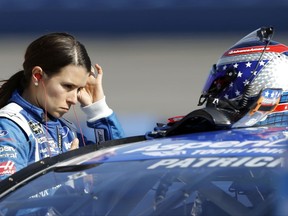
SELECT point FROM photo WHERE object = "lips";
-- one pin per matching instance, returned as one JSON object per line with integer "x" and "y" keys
{"x": 64, "y": 109}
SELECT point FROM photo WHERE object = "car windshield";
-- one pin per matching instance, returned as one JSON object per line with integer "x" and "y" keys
{"x": 148, "y": 187}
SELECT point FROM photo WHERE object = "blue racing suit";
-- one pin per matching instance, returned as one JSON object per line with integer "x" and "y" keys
{"x": 25, "y": 136}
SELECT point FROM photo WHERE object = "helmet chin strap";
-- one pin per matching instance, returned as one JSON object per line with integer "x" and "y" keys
{"x": 235, "y": 109}
{"x": 229, "y": 108}
{"x": 223, "y": 104}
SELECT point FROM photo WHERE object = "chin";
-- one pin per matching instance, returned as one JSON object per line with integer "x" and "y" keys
{"x": 57, "y": 115}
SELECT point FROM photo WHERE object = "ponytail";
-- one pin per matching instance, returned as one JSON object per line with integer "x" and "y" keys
{"x": 9, "y": 86}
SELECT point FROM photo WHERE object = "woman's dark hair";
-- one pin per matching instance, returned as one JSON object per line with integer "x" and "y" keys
{"x": 51, "y": 52}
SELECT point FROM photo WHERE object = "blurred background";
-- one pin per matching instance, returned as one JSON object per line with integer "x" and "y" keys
{"x": 156, "y": 54}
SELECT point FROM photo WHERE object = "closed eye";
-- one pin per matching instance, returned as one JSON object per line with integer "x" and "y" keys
{"x": 69, "y": 87}
{"x": 79, "y": 89}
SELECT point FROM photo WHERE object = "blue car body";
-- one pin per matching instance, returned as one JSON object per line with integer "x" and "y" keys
{"x": 222, "y": 172}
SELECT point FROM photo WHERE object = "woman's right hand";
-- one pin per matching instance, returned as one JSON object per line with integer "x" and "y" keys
{"x": 93, "y": 91}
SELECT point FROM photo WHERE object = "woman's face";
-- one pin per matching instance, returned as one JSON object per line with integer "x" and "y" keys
{"x": 57, "y": 93}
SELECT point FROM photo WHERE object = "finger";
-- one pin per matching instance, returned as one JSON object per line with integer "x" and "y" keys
{"x": 99, "y": 69}
{"x": 92, "y": 72}
{"x": 92, "y": 69}
{"x": 75, "y": 144}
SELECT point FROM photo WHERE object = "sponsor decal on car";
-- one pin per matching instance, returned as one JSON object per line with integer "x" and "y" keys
{"x": 212, "y": 148}
{"x": 213, "y": 162}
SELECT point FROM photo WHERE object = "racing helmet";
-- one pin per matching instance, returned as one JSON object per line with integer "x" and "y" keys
{"x": 250, "y": 80}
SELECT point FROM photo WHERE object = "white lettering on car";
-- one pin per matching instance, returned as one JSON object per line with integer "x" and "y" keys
{"x": 194, "y": 145}
{"x": 219, "y": 162}
{"x": 212, "y": 148}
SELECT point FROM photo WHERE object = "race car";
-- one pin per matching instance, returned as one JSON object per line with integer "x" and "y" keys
{"x": 225, "y": 172}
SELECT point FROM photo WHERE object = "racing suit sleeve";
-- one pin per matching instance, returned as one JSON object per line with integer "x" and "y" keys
{"x": 14, "y": 148}
{"x": 104, "y": 121}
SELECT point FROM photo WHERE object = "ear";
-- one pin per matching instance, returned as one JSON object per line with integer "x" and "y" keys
{"x": 38, "y": 76}
{"x": 37, "y": 73}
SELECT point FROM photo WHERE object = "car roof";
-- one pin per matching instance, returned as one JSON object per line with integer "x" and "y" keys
{"x": 262, "y": 141}
{"x": 266, "y": 143}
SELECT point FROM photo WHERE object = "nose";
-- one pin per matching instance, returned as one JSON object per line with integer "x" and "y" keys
{"x": 72, "y": 97}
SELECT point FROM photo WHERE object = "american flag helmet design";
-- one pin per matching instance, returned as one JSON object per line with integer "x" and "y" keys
{"x": 255, "y": 63}
{"x": 270, "y": 72}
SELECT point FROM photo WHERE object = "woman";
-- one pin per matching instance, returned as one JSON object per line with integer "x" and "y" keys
{"x": 57, "y": 72}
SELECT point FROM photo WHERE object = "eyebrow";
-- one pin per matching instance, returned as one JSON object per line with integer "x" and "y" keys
{"x": 72, "y": 84}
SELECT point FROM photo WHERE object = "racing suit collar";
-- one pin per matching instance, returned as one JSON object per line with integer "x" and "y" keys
{"x": 37, "y": 112}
